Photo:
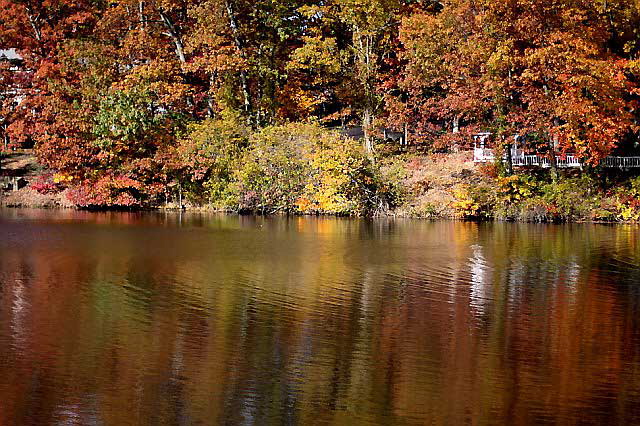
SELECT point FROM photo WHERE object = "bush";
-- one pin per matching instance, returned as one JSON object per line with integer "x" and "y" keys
{"x": 273, "y": 172}
{"x": 211, "y": 152}
{"x": 515, "y": 188}
{"x": 571, "y": 199}
{"x": 628, "y": 200}
{"x": 426, "y": 211}
{"x": 522, "y": 197}
{"x": 48, "y": 183}
{"x": 302, "y": 168}
{"x": 293, "y": 168}
{"x": 391, "y": 183}
{"x": 109, "y": 191}
{"x": 475, "y": 201}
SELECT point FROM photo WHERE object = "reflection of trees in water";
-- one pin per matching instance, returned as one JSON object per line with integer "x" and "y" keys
{"x": 324, "y": 321}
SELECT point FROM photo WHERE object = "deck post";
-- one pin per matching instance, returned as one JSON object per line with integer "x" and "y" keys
{"x": 553, "y": 162}
{"x": 406, "y": 135}
{"x": 507, "y": 149}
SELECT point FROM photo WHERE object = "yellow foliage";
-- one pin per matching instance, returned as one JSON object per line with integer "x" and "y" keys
{"x": 465, "y": 205}
{"x": 62, "y": 178}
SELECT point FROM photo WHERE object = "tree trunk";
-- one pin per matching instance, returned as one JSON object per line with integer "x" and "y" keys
{"x": 210, "y": 107}
{"x": 363, "y": 48}
{"x": 175, "y": 36}
{"x": 367, "y": 120}
{"x": 143, "y": 17}
{"x": 456, "y": 125}
{"x": 237, "y": 39}
{"x": 33, "y": 21}
{"x": 507, "y": 150}
{"x": 211, "y": 112}
{"x": 553, "y": 164}
{"x": 406, "y": 135}
{"x": 553, "y": 146}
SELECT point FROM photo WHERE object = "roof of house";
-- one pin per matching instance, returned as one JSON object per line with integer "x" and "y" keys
{"x": 9, "y": 54}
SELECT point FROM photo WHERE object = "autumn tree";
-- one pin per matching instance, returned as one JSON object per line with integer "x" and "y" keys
{"x": 347, "y": 48}
{"x": 118, "y": 96}
{"x": 535, "y": 67}
{"x": 36, "y": 29}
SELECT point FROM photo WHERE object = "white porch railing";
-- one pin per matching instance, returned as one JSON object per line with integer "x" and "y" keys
{"x": 484, "y": 155}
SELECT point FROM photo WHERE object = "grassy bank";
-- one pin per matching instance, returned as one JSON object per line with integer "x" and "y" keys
{"x": 452, "y": 186}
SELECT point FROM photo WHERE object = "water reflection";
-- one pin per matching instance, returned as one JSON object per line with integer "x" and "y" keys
{"x": 156, "y": 318}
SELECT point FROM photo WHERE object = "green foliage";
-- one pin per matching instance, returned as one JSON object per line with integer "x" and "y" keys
{"x": 425, "y": 211}
{"x": 125, "y": 116}
{"x": 392, "y": 185}
{"x": 210, "y": 152}
{"x": 274, "y": 170}
{"x": 302, "y": 168}
{"x": 515, "y": 188}
{"x": 628, "y": 200}
{"x": 504, "y": 198}
{"x": 523, "y": 197}
{"x": 570, "y": 198}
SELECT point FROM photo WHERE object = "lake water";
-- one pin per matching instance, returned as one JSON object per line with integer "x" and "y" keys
{"x": 149, "y": 319}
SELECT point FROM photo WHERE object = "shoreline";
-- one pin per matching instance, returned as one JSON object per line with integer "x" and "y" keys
{"x": 208, "y": 210}
{"x": 435, "y": 187}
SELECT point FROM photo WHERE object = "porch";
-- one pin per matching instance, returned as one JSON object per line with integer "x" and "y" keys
{"x": 482, "y": 154}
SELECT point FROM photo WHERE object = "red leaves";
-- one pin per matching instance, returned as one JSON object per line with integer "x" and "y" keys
{"x": 527, "y": 67}
{"x": 106, "y": 89}
{"x": 109, "y": 190}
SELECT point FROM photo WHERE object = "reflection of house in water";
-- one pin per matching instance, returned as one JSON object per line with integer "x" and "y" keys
{"x": 572, "y": 276}
{"x": 481, "y": 292}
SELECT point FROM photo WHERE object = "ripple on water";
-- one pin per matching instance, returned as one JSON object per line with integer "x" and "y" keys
{"x": 137, "y": 320}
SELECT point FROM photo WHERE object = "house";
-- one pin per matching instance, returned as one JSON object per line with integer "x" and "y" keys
{"x": 9, "y": 55}
{"x": 482, "y": 153}
{"x": 13, "y": 58}
{"x": 357, "y": 133}
{"x": 12, "y": 183}
{"x": 10, "y": 95}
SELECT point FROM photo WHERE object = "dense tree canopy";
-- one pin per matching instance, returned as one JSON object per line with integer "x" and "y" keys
{"x": 531, "y": 67}
{"x": 117, "y": 95}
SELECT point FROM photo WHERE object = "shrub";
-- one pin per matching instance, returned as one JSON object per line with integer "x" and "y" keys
{"x": 628, "y": 200}
{"x": 47, "y": 184}
{"x": 392, "y": 183}
{"x": 303, "y": 168}
{"x": 426, "y": 211}
{"x": 511, "y": 194}
{"x": 571, "y": 199}
{"x": 515, "y": 188}
{"x": 489, "y": 170}
{"x": 272, "y": 174}
{"x": 210, "y": 152}
{"x": 474, "y": 201}
{"x": 522, "y": 197}
{"x": 109, "y": 190}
